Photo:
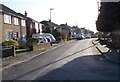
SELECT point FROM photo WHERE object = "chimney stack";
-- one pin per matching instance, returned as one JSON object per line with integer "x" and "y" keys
{"x": 26, "y": 13}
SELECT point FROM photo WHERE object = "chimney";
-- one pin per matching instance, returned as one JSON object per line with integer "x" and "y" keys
{"x": 49, "y": 20}
{"x": 65, "y": 23}
{"x": 26, "y": 13}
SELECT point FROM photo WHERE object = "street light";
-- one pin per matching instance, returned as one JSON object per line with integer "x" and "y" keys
{"x": 50, "y": 13}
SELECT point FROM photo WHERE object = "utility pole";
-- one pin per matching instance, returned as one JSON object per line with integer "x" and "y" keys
{"x": 50, "y": 13}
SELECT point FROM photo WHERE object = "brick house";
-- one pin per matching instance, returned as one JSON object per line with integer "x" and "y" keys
{"x": 33, "y": 27}
{"x": 13, "y": 24}
{"x": 16, "y": 25}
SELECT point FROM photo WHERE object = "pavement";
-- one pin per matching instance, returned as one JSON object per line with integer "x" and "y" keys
{"x": 112, "y": 55}
{"x": 25, "y": 56}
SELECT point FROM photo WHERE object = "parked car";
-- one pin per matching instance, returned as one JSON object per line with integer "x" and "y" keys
{"x": 78, "y": 36}
{"x": 41, "y": 38}
{"x": 48, "y": 36}
{"x": 87, "y": 35}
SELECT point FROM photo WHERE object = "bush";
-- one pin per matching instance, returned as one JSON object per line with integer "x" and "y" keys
{"x": 32, "y": 41}
{"x": 10, "y": 43}
{"x": 22, "y": 44}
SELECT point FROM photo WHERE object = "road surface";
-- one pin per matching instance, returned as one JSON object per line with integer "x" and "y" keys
{"x": 77, "y": 60}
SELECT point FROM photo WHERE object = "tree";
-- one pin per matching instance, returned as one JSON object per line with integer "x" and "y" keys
{"x": 109, "y": 21}
{"x": 56, "y": 34}
{"x": 33, "y": 31}
{"x": 109, "y": 17}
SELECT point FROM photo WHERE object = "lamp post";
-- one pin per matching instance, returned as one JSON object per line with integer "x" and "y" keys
{"x": 50, "y": 13}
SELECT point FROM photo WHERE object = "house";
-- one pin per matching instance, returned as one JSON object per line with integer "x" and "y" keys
{"x": 48, "y": 26}
{"x": 75, "y": 30}
{"x": 33, "y": 27}
{"x": 13, "y": 24}
{"x": 64, "y": 29}
{"x": 16, "y": 25}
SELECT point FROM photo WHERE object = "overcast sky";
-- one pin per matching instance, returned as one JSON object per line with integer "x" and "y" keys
{"x": 73, "y": 12}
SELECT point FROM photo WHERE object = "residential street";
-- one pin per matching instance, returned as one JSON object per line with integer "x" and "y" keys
{"x": 77, "y": 60}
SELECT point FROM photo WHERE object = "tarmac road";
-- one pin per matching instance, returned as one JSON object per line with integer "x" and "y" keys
{"x": 77, "y": 60}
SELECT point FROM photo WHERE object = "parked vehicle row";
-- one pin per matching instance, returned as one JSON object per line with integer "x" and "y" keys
{"x": 80, "y": 36}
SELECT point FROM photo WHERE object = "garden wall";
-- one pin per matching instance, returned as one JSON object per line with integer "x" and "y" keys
{"x": 41, "y": 45}
{"x": 6, "y": 52}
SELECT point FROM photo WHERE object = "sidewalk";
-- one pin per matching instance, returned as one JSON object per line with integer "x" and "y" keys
{"x": 25, "y": 56}
{"x": 111, "y": 55}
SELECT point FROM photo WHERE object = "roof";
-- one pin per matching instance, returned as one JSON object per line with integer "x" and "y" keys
{"x": 6, "y": 9}
{"x": 65, "y": 26}
{"x": 28, "y": 17}
{"x": 9, "y": 11}
{"x": 48, "y": 23}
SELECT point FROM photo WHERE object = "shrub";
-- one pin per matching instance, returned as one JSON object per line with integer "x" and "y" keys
{"x": 10, "y": 43}
{"x": 22, "y": 44}
{"x": 32, "y": 41}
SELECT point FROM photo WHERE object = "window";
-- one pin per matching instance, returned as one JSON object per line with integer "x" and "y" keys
{"x": 16, "y": 35}
{"x": 33, "y": 25}
{"x": 36, "y": 27}
{"x": 9, "y": 35}
{"x": 16, "y": 21}
{"x": 23, "y": 22}
{"x": 7, "y": 19}
{"x": 40, "y": 27}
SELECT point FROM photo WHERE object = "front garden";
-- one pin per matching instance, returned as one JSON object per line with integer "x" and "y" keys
{"x": 10, "y": 48}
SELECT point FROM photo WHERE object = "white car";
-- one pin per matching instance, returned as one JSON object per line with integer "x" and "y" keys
{"x": 48, "y": 36}
{"x": 43, "y": 40}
